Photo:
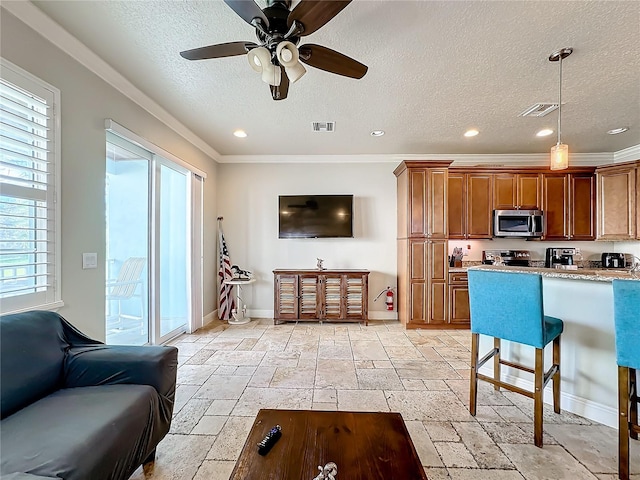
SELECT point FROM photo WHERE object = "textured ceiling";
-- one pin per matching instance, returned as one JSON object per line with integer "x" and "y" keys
{"x": 435, "y": 70}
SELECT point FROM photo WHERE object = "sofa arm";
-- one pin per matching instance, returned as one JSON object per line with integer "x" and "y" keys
{"x": 26, "y": 476}
{"x": 91, "y": 365}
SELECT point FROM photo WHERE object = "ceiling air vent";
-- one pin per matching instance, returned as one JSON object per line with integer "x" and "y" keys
{"x": 539, "y": 110}
{"x": 323, "y": 126}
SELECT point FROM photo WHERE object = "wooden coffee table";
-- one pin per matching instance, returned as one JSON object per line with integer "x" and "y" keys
{"x": 365, "y": 446}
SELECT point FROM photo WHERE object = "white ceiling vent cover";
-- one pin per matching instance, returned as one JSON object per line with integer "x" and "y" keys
{"x": 539, "y": 110}
{"x": 323, "y": 126}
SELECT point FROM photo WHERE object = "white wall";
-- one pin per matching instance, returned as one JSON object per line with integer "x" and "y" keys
{"x": 628, "y": 247}
{"x": 86, "y": 100}
{"x": 248, "y": 201}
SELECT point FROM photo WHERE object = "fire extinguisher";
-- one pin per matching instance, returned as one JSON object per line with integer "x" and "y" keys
{"x": 388, "y": 299}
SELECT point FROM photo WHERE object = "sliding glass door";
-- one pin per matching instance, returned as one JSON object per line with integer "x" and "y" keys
{"x": 173, "y": 247}
{"x": 127, "y": 220}
{"x": 149, "y": 245}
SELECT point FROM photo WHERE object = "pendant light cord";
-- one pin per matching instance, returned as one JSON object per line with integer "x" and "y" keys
{"x": 560, "y": 102}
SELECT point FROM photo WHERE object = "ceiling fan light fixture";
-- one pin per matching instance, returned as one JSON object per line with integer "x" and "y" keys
{"x": 258, "y": 58}
{"x": 288, "y": 56}
{"x": 272, "y": 75}
{"x": 296, "y": 72}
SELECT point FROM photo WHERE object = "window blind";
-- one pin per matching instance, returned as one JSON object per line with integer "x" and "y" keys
{"x": 28, "y": 226}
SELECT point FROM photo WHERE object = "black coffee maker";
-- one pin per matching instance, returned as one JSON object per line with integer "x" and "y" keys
{"x": 559, "y": 257}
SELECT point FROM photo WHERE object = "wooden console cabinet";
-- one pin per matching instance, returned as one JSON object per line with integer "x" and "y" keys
{"x": 321, "y": 295}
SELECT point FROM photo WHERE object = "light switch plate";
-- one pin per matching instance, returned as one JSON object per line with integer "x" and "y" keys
{"x": 89, "y": 260}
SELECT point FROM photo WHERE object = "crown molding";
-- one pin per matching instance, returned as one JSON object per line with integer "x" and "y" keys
{"x": 627, "y": 155}
{"x": 37, "y": 20}
{"x": 533, "y": 159}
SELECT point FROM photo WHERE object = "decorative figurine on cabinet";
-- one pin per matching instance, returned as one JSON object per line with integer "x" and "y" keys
{"x": 319, "y": 265}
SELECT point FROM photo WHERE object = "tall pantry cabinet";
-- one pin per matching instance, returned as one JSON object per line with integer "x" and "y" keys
{"x": 422, "y": 243}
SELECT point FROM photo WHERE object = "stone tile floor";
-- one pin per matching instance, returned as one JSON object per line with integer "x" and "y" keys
{"x": 227, "y": 373}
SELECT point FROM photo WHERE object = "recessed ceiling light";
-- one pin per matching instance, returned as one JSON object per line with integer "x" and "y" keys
{"x": 240, "y": 133}
{"x": 545, "y": 132}
{"x": 471, "y": 133}
{"x": 377, "y": 133}
{"x": 616, "y": 131}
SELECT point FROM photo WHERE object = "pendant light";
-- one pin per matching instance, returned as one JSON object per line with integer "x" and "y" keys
{"x": 560, "y": 151}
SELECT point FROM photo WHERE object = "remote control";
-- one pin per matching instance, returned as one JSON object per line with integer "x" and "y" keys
{"x": 269, "y": 440}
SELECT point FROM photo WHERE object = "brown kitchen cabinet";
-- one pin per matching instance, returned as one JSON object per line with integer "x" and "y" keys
{"x": 469, "y": 208}
{"x": 517, "y": 191}
{"x": 638, "y": 202}
{"x": 459, "y": 313}
{"x": 425, "y": 201}
{"x": 427, "y": 302}
{"x": 322, "y": 295}
{"x": 569, "y": 205}
{"x": 617, "y": 199}
{"x": 422, "y": 243}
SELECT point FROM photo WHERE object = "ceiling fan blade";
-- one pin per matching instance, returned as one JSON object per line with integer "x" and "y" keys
{"x": 281, "y": 91}
{"x": 331, "y": 61}
{"x": 313, "y": 14}
{"x": 218, "y": 51}
{"x": 248, "y": 11}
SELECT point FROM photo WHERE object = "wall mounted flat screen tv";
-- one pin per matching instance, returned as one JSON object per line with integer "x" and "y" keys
{"x": 315, "y": 216}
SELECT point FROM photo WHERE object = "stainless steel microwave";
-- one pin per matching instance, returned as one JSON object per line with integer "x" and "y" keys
{"x": 518, "y": 223}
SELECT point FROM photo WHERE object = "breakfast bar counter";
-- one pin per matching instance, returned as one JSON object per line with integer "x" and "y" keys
{"x": 592, "y": 274}
{"x": 583, "y": 299}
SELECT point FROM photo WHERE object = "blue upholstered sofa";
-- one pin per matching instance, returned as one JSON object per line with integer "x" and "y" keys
{"x": 74, "y": 408}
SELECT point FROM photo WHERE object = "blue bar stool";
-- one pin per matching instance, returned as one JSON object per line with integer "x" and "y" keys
{"x": 508, "y": 306}
{"x": 626, "y": 314}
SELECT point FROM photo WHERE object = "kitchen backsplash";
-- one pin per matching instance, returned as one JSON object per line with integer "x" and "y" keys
{"x": 591, "y": 251}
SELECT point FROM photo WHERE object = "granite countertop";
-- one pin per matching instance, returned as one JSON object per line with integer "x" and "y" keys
{"x": 596, "y": 274}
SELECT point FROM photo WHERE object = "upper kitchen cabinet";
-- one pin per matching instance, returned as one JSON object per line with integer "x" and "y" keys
{"x": 617, "y": 201}
{"x": 469, "y": 205}
{"x": 517, "y": 191}
{"x": 569, "y": 205}
{"x": 422, "y": 199}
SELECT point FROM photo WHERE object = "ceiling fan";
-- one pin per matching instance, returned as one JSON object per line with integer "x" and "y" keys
{"x": 279, "y": 30}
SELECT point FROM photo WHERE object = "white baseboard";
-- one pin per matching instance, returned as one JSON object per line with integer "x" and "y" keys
{"x": 207, "y": 319}
{"x": 377, "y": 315}
{"x": 571, "y": 403}
{"x": 383, "y": 315}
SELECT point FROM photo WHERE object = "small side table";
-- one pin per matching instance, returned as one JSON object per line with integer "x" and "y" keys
{"x": 238, "y": 313}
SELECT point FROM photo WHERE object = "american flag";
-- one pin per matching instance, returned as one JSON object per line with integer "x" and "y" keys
{"x": 226, "y": 298}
